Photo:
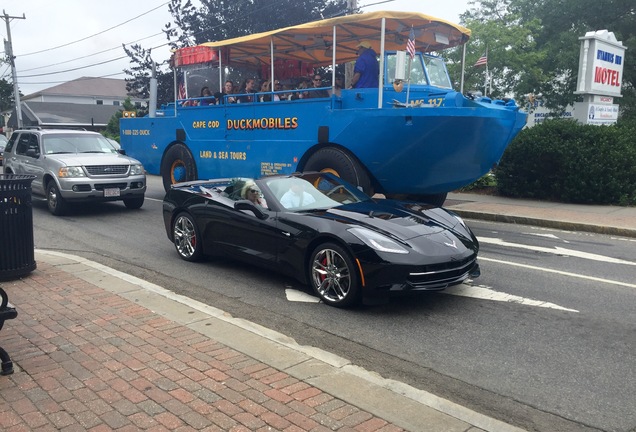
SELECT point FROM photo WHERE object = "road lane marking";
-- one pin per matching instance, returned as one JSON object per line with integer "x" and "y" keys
{"x": 563, "y": 273}
{"x": 300, "y": 296}
{"x": 479, "y": 292}
{"x": 486, "y": 293}
{"x": 551, "y": 236}
{"x": 556, "y": 250}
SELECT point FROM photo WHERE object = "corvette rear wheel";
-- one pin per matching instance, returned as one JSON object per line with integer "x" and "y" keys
{"x": 186, "y": 238}
{"x": 332, "y": 275}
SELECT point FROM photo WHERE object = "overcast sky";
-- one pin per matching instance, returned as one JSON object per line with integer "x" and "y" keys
{"x": 61, "y": 35}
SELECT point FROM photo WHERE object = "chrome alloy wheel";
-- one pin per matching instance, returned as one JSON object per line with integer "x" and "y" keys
{"x": 331, "y": 275}
{"x": 185, "y": 237}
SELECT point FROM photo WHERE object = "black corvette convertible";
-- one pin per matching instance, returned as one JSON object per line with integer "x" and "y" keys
{"x": 319, "y": 229}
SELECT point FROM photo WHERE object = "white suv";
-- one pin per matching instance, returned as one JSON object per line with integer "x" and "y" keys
{"x": 71, "y": 165}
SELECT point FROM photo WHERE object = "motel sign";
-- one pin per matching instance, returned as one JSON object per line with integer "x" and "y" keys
{"x": 600, "y": 78}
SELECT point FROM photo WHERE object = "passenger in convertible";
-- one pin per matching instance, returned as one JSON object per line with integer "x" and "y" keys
{"x": 251, "y": 192}
{"x": 296, "y": 196}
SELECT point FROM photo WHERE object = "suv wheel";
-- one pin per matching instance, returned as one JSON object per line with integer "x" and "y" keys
{"x": 57, "y": 204}
{"x": 134, "y": 203}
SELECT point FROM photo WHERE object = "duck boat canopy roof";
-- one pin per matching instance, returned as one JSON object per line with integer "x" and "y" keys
{"x": 313, "y": 42}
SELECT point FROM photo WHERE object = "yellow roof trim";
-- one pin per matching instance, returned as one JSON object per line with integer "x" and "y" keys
{"x": 311, "y": 42}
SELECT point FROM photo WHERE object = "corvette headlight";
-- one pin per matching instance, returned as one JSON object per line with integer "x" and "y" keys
{"x": 136, "y": 169}
{"x": 71, "y": 171}
{"x": 378, "y": 241}
{"x": 461, "y": 221}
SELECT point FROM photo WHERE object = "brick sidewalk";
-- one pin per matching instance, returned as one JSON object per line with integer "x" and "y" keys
{"x": 88, "y": 359}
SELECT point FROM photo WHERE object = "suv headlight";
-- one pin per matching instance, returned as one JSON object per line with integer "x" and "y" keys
{"x": 71, "y": 171}
{"x": 378, "y": 241}
{"x": 136, "y": 169}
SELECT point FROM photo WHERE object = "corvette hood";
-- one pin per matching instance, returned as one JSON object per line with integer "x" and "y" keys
{"x": 401, "y": 219}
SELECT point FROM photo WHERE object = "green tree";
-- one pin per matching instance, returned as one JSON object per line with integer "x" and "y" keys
{"x": 6, "y": 95}
{"x": 222, "y": 19}
{"x": 112, "y": 128}
{"x": 140, "y": 73}
{"x": 533, "y": 45}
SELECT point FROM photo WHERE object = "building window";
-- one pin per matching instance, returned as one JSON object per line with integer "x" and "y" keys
{"x": 100, "y": 102}
{"x": 116, "y": 103}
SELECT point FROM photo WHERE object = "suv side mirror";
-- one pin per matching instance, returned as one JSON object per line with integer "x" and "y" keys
{"x": 33, "y": 152}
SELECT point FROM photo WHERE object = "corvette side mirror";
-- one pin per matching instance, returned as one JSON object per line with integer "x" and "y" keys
{"x": 250, "y": 206}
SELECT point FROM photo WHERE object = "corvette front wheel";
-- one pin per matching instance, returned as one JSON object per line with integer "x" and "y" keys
{"x": 333, "y": 277}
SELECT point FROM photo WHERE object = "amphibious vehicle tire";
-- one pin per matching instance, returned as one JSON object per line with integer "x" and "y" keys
{"x": 333, "y": 277}
{"x": 342, "y": 164}
{"x": 177, "y": 166}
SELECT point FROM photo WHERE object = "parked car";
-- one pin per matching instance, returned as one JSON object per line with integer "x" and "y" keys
{"x": 3, "y": 143}
{"x": 324, "y": 232}
{"x": 74, "y": 166}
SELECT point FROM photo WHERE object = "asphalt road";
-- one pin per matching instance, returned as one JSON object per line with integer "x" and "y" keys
{"x": 544, "y": 339}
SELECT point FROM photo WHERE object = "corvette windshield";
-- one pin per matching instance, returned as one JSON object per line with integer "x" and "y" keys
{"x": 315, "y": 191}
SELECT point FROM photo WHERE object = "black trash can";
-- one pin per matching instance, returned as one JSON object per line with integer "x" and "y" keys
{"x": 17, "y": 251}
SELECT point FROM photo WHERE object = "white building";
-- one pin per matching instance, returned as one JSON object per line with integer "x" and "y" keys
{"x": 65, "y": 105}
{"x": 86, "y": 90}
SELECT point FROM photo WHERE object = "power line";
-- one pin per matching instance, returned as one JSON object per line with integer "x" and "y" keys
{"x": 96, "y": 34}
{"x": 87, "y": 66}
{"x": 77, "y": 79}
{"x": 123, "y": 57}
{"x": 91, "y": 55}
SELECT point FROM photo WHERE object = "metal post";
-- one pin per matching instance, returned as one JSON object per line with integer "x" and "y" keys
{"x": 333, "y": 61}
{"x": 220, "y": 72}
{"x": 175, "y": 88}
{"x": 271, "y": 60}
{"x": 14, "y": 74}
{"x": 461, "y": 85}
{"x": 152, "y": 102}
{"x": 381, "y": 78}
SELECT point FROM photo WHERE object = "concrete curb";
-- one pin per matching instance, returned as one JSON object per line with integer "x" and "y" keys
{"x": 546, "y": 223}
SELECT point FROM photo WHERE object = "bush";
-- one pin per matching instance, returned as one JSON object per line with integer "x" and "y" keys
{"x": 564, "y": 161}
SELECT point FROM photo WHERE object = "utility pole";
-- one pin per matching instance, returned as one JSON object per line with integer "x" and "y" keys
{"x": 8, "y": 47}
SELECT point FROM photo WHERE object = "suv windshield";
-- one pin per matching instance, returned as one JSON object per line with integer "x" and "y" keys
{"x": 76, "y": 143}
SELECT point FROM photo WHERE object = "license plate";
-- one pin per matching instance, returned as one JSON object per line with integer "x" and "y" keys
{"x": 111, "y": 192}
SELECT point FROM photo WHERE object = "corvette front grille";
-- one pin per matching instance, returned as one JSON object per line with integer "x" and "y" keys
{"x": 439, "y": 276}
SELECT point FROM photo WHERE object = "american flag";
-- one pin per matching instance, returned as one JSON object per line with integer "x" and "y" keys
{"x": 410, "y": 44}
{"x": 182, "y": 91}
{"x": 483, "y": 60}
